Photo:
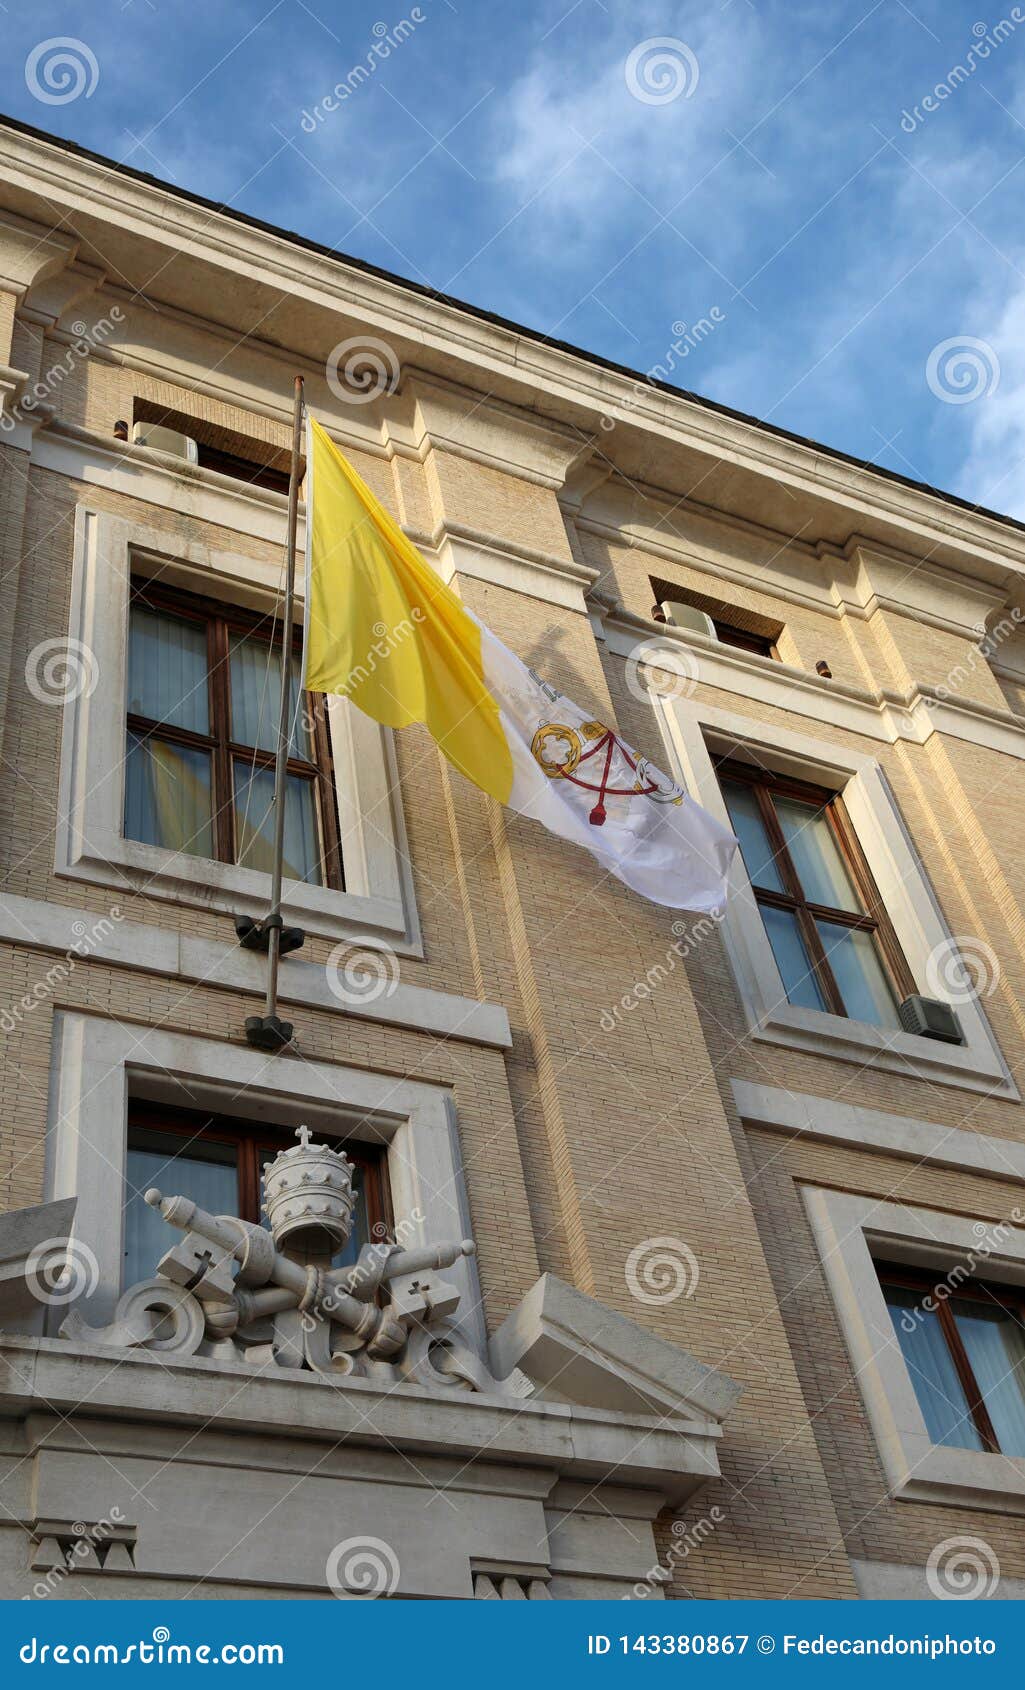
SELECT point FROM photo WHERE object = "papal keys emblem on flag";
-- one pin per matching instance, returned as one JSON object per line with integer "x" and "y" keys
{"x": 593, "y": 758}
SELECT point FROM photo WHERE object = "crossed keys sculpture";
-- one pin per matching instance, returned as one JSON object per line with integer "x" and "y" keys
{"x": 234, "y": 1290}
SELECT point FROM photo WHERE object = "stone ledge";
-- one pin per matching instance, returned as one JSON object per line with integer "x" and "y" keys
{"x": 670, "y": 1456}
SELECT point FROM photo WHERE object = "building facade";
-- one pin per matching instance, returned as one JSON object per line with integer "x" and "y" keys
{"x": 745, "y": 1312}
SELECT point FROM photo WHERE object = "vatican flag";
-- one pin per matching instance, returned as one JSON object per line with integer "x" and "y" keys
{"x": 384, "y": 630}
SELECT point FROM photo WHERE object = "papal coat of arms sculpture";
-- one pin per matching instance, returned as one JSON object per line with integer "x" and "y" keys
{"x": 268, "y": 1296}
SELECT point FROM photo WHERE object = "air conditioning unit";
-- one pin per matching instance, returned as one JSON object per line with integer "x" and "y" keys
{"x": 686, "y": 616}
{"x": 931, "y": 1019}
{"x": 166, "y": 440}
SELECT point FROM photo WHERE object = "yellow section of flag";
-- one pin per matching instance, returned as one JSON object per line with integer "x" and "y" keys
{"x": 384, "y": 630}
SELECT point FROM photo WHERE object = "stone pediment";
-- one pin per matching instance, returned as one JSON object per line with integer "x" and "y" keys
{"x": 577, "y": 1350}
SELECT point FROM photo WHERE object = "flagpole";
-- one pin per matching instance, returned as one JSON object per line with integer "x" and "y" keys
{"x": 268, "y": 1032}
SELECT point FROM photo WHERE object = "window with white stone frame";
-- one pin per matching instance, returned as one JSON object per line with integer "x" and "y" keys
{"x": 932, "y": 1309}
{"x": 905, "y": 943}
{"x": 963, "y": 1340}
{"x": 114, "y": 1086}
{"x": 344, "y": 787}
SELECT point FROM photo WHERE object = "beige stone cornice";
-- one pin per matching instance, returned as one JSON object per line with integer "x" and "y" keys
{"x": 885, "y": 715}
{"x": 268, "y": 284}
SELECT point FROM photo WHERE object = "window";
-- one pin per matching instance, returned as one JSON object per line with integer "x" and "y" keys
{"x": 964, "y": 1345}
{"x": 217, "y": 1161}
{"x": 746, "y": 630}
{"x": 743, "y": 639}
{"x": 224, "y": 449}
{"x": 830, "y": 936}
{"x": 203, "y": 690}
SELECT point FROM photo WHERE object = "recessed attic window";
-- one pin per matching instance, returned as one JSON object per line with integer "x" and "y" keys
{"x": 729, "y": 624}
{"x": 223, "y": 449}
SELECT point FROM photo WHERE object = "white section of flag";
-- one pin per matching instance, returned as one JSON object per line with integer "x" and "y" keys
{"x": 598, "y": 792}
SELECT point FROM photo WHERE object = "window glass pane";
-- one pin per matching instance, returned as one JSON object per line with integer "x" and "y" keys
{"x": 256, "y": 696}
{"x": 938, "y": 1389}
{"x": 179, "y": 1166}
{"x": 816, "y": 857}
{"x": 995, "y": 1344}
{"x": 859, "y": 973}
{"x": 167, "y": 670}
{"x": 755, "y": 847}
{"x": 167, "y": 796}
{"x": 360, "y": 1234}
{"x": 792, "y": 958}
{"x": 254, "y": 823}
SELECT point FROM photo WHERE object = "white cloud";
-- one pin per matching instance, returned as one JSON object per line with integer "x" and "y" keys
{"x": 573, "y": 137}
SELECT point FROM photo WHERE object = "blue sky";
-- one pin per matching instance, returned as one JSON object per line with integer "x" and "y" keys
{"x": 764, "y": 171}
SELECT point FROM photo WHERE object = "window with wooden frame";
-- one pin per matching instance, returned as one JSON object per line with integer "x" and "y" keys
{"x": 830, "y": 935}
{"x": 218, "y": 1162}
{"x": 202, "y": 723}
{"x": 963, "y": 1341}
{"x": 744, "y": 639}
